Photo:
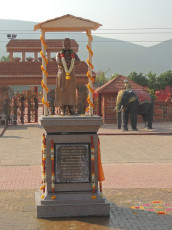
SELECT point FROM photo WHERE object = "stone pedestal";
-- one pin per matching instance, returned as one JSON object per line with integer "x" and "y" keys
{"x": 72, "y": 136}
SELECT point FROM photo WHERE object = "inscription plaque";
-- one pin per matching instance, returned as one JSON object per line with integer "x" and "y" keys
{"x": 72, "y": 163}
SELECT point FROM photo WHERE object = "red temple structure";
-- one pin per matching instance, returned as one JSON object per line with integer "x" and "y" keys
{"x": 164, "y": 95}
{"x": 105, "y": 97}
{"x": 27, "y": 71}
{"x": 105, "y": 101}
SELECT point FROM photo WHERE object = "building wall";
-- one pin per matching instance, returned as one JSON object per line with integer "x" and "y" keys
{"x": 110, "y": 103}
{"x": 105, "y": 106}
{"x": 163, "y": 111}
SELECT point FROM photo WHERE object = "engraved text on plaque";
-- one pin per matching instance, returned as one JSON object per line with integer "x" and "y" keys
{"x": 72, "y": 163}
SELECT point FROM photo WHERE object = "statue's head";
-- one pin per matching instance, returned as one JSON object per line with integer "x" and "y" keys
{"x": 67, "y": 44}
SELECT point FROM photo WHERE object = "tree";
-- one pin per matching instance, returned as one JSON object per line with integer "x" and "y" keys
{"x": 139, "y": 78}
{"x": 161, "y": 81}
{"x": 114, "y": 76}
{"x": 165, "y": 79}
{"x": 7, "y": 58}
{"x": 101, "y": 79}
{"x": 152, "y": 81}
{"x": 152, "y": 93}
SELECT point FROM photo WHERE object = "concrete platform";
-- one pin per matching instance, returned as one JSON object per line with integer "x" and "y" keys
{"x": 72, "y": 204}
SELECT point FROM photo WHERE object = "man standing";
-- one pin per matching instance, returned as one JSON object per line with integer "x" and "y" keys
{"x": 65, "y": 97}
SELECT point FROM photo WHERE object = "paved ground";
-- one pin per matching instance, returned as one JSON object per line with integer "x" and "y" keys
{"x": 137, "y": 168}
{"x": 158, "y": 128}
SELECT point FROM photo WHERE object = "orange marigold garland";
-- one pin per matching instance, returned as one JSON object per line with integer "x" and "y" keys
{"x": 88, "y": 74}
{"x": 157, "y": 202}
{"x": 43, "y": 164}
{"x": 43, "y": 42}
{"x": 44, "y": 71}
{"x": 101, "y": 176}
{"x": 52, "y": 169}
{"x": 92, "y": 168}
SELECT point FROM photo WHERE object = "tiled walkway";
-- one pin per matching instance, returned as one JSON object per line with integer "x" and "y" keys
{"x": 138, "y": 176}
{"x": 117, "y": 176}
{"x": 20, "y": 177}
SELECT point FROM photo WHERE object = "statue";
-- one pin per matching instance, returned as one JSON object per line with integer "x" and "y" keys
{"x": 65, "y": 97}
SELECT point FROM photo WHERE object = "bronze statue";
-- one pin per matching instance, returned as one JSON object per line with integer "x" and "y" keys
{"x": 65, "y": 97}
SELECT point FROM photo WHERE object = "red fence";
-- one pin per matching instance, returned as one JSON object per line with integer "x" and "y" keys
{"x": 25, "y": 106}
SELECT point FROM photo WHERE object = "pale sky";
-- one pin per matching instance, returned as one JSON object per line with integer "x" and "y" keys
{"x": 115, "y": 15}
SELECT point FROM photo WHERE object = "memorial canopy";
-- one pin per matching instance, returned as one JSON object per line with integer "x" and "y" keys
{"x": 68, "y": 23}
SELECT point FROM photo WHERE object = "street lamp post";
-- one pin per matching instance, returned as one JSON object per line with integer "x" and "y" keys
{"x": 11, "y": 36}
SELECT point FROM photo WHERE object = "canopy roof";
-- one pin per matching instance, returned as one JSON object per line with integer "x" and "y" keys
{"x": 68, "y": 23}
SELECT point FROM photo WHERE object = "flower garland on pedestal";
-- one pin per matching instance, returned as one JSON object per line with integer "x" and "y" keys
{"x": 67, "y": 71}
{"x": 101, "y": 176}
{"x": 52, "y": 170}
{"x": 92, "y": 168}
{"x": 43, "y": 164}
